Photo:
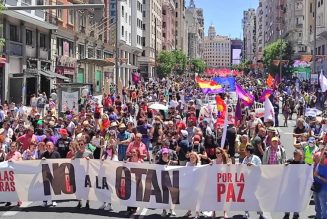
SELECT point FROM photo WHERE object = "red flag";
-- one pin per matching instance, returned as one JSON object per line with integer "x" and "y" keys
{"x": 270, "y": 81}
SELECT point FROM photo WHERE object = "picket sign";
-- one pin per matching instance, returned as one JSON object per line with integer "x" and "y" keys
{"x": 272, "y": 188}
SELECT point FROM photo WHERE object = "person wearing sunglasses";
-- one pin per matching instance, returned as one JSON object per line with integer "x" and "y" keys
{"x": 221, "y": 158}
{"x": 252, "y": 160}
{"x": 50, "y": 153}
{"x": 80, "y": 154}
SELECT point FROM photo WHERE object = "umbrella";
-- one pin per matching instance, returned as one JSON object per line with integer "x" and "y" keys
{"x": 158, "y": 106}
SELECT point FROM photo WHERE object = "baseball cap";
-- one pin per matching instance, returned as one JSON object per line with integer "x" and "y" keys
{"x": 178, "y": 117}
{"x": 196, "y": 138}
{"x": 63, "y": 132}
{"x": 275, "y": 139}
{"x": 311, "y": 140}
{"x": 184, "y": 133}
{"x": 165, "y": 151}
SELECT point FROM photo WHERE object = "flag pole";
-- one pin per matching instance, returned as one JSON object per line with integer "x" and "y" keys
{"x": 223, "y": 138}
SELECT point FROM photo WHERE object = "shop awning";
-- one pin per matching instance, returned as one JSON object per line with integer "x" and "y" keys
{"x": 50, "y": 74}
{"x": 99, "y": 62}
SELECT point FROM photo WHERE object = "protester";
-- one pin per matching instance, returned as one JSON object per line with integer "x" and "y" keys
{"x": 321, "y": 177}
{"x": 194, "y": 161}
{"x": 83, "y": 153}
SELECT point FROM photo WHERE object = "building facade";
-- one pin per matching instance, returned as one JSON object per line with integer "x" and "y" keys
{"x": 217, "y": 50}
{"x": 168, "y": 25}
{"x": 260, "y": 30}
{"x": 195, "y": 30}
{"x": 27, "y": 68}
{"x": 152, "y": 37}
{"x": 295, "y": 26}
{"x": 249, "y": 34}
{"x": 130, "y": 34}
{"x": 181, "y": 26}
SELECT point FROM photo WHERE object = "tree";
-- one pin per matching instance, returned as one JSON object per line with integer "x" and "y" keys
{"x": 243, "y": 66}
{"x": 198, "y": 65}
{"x": 278, "y": 50}
{"x": 180, "y": 61}
{"x": 171, "y": 61}
{"x": 166, "y": 62}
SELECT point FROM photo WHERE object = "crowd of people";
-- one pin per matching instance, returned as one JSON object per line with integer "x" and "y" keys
{"x": 125, "y": 128}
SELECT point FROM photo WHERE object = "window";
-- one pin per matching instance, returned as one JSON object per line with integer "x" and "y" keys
{"x": 13, "y": 33}
{"x": 122, "y": 31}
{"x": 59, "y": 14}
{"x": 81, "y": 51}
{"x": 122, "y": 11}
{"x": 99, "y": 54}
{"x": 29, "y": 37}
{"x": 40, "y": 2}
{"x": 70, "y": 16}
{"x": 43, "y": 40}
{"x": 107, "y": 55}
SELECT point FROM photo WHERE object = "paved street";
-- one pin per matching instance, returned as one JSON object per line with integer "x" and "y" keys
{"x": 68, "y": 210}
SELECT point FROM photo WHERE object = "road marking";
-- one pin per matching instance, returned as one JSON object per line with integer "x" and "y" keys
{"x": 15, "y": 210}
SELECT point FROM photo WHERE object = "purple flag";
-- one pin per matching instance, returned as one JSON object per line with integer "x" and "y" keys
{"x": 247, "y": 99}
{"x": 213, "y": 91}
{"x": 265, "y": 94}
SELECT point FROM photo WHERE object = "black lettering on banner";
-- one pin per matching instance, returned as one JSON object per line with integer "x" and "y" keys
{"x": 87, "y": 181}
{"x": 104, "y": 183}
{"x": 172, "y": 187}
{"x": 151, "y": 180}
{"x": 123, "y": 183}
{"x": 62, "y": 180}
{"x": 138, "y": 181}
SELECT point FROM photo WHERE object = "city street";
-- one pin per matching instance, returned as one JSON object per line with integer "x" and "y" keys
{"x": 68, "y": 210}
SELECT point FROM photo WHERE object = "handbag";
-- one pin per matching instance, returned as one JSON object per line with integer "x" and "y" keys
{"x": 316, "y": 187}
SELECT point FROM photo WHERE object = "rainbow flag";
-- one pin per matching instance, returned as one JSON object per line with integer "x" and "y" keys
{"x": 209, "y": 87}
{"x": 248, "y": 99}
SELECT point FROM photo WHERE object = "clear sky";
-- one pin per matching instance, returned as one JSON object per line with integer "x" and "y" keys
{"x": 225, "y": 15}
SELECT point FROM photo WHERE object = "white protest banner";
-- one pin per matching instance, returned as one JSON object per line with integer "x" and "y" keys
{"x": 272, "y": 188}
{"x": 70, "y": 101}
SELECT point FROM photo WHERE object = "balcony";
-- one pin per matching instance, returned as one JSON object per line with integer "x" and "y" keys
{"x": 40, "y": 14}
{"x": 299, "y": 25}
{"x": 15, "y": 49}
{"x": 30, "y": 51}
{"x": 44, "y": 53}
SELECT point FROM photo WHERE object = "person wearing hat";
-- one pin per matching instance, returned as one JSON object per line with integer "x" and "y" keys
{"x": 274, "y": 154}
{"x": 309, "y": 149}
{"x": 165, "y": 159}
{"x": 63, "y": 143}
{"x": 124, "y": 138}
{"x": 182, "y": 148}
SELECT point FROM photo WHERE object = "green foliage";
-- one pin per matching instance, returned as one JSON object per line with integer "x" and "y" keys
{"x": 198, "y": 65}
{"x": 171, "y": 61}
{"x": 166, "y": 62}
{"x": 180, "y": 61}
{"x": 243, "y": 66}
{"x": 278, "y": 50}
